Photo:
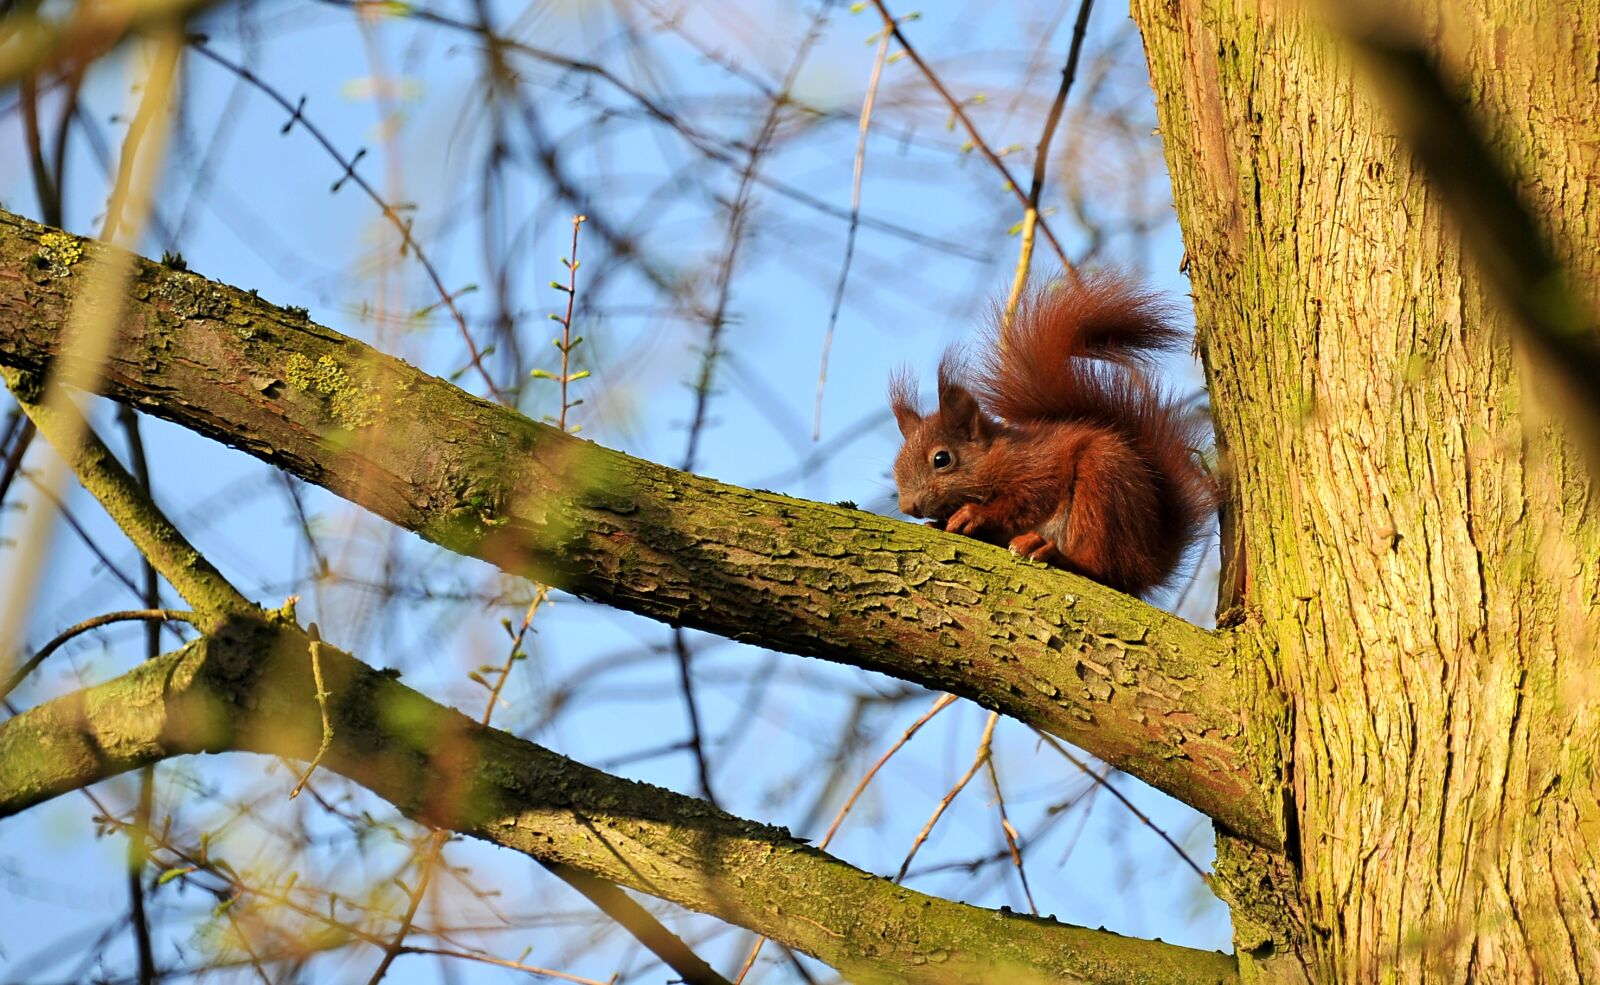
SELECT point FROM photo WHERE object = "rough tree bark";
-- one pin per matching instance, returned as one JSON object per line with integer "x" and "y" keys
{"x": 1416, "y": 541}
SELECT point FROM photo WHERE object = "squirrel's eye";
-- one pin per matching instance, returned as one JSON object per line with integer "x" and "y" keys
{"x": 941, "y": 459}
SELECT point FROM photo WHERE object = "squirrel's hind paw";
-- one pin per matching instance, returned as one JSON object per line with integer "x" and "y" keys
{"x": 1026, "y": 544}
{"x": 1032, "y": 545}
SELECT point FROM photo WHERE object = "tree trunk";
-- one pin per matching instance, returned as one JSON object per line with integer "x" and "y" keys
{"x": 1417, "y": 537}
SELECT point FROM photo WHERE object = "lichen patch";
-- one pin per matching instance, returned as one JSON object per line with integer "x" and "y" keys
{"x": 354, "y": 404}
{"x": 60, "y": 251}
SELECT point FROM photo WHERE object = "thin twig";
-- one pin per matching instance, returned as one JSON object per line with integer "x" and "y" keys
{"x": 712, "y": 353}
{"x": 737, "y": 214}
{"x": 610, "y": 900}
{"x": 566, "y": 322}
{"x": 985, "y": 744}
{"x": 44, "y": 188}
{"x": 319, "y": 561}
{"x": 14, "y": 455}
{"x": 702, "y": 143}
{"x": 425, "y": 864}
{"x": 15, "y": 419}
{"x": 1069, "y": 74}
{"x": 893, "y": 27}
{"x": 77, "y": 527}
{"x": 1096, "y": 784}
{"x": 855, "y": 222}
{"x": 144, "y": 808}
{"x": 1011, "y": 835}
{"x": 69, "y": 111}
{"x": 1053, "y": 743}
{"x": 1041, "y": 157}
{"x": 233, "y": 887}
{"x": 696, "y": 745}
{"x": 322, "y": 704}
{"x": 106, "y": 619}
{"x": 940, "y": 703}
{"x": 565, "y": 343}
{"x": 541, "y": 593}
{"x": 430, "y": 857}
{"x": 297, "y": 115}
{"x": 244, "y": 942}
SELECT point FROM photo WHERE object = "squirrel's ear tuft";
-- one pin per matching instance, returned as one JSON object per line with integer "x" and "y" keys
{"x": 903, "y": 401}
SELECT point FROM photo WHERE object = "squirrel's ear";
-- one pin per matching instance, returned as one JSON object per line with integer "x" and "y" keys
{"x": 960, "y": 412}
{"x": 903, "y": 402}
{"x": 907, "y": 417}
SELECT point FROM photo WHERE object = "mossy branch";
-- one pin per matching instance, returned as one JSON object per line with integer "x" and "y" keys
{"x": 1141, "y": 689}
{"x": 250, "y": 688}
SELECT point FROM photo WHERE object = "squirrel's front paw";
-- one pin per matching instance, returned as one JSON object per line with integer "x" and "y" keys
{"x": 964, "y": 520}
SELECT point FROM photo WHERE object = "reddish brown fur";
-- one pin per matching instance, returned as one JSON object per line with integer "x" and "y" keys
{"x": 1088, "y": 466}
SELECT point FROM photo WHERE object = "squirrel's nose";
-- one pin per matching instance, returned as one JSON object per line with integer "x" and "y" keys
{"x": 908, "y": 506}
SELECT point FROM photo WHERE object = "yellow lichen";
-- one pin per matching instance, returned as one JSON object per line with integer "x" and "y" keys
{"x": 357, "y": 407}
{"x": 60, "y": 250}
{"x": 299, "y": 372}
{"x": 353, "y": 404}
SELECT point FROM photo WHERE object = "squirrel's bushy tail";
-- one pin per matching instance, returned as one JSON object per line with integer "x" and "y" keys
{"x": 1076, "y": 352}
{"x": 1064, "y": 353}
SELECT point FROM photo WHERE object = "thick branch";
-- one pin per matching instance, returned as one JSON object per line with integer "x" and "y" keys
{"x": 1143, "y": 690}
{"x": 250, "y": 688}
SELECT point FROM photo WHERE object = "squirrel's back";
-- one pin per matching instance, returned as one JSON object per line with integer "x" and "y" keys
{"x": 1077, "y": 352}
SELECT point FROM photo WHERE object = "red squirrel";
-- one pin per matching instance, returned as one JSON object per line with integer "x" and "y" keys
{"x": 1055, "y": 445}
